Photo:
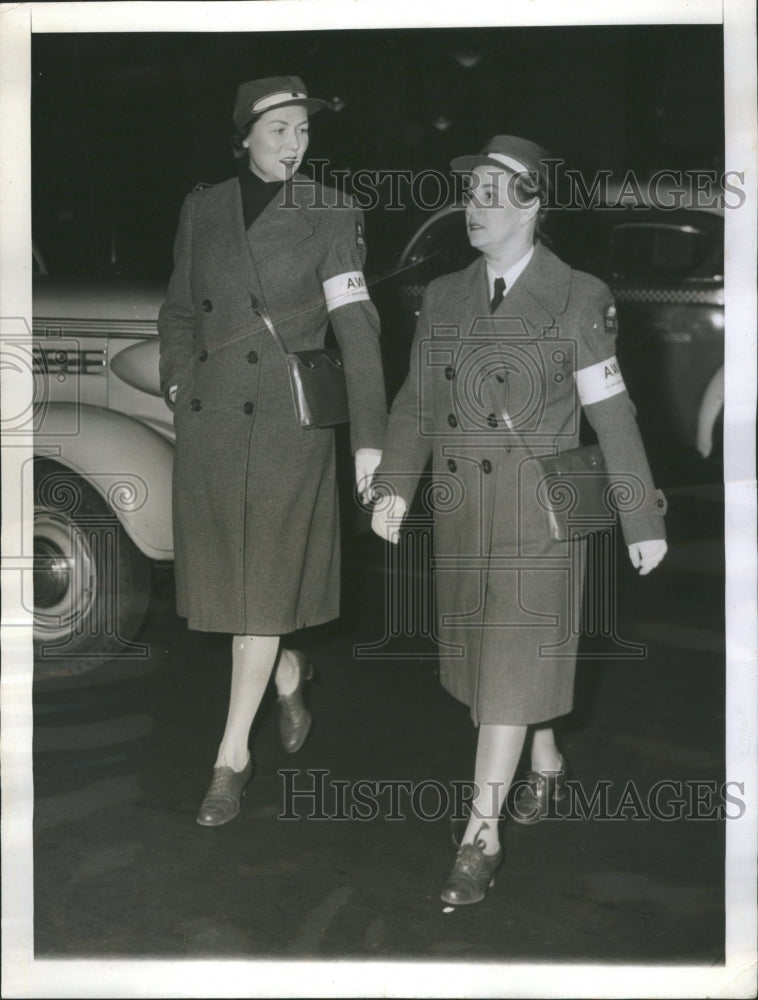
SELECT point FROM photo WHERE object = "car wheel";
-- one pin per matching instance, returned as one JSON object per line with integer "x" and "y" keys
{"x": 91, "y": 583}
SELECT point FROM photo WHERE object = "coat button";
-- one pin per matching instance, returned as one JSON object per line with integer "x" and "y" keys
{"x": 491, "y": 420}
{"x": 451, "y": 465}
{"x": 207, "y": 305}
{"x": 252, "y": 357}
{"x": 202, "y": 356}
{"x": 450, "y": 373}
{"x": 247, "y": 408}
{"x": 195, "y": 405}
{"x": 659, "y": 502}
{"x": 486, "y": 466}
{"x": 451, "y": 420}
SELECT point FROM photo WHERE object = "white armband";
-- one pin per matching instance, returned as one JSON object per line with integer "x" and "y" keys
{"x": 344, "y": 288}
{"x": 599, "y": 381}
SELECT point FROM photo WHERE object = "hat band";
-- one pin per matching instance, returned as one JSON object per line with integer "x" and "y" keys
{"x": 508, "y": 161}
{"x": 272, "y": 100}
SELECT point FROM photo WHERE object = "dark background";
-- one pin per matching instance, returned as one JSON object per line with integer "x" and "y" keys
{"x": 123, "y": 125}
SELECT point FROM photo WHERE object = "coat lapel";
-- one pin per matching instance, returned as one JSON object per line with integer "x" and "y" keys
{"x": 282, "y": 224}
{"x": 276, "y": 229}
{"x": 541, "y": 292}
{"x": 532, "y": 305}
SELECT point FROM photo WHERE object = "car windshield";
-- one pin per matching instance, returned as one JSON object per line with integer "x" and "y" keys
{"x": 442, "y": 248}
{"x": 650, "y": 252}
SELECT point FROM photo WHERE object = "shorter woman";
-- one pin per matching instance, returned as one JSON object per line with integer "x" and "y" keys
{"x": 505, "y": 354}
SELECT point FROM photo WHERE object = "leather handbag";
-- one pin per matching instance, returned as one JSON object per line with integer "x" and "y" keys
{"x": 575, "y": 492}
{"x": 573, "y": 488}
{"x": 317, "y": 380}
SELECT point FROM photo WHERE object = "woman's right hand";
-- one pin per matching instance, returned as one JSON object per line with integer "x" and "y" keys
{"x": 388, "y": 513}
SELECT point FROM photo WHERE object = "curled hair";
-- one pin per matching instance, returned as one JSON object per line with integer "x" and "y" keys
{"x": 534, "y": 185}
{"x": 235, "y": 141}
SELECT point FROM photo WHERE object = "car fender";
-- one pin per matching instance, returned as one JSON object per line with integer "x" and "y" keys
{"x": 711, "y": 406}
{"x": 128, "y": 463}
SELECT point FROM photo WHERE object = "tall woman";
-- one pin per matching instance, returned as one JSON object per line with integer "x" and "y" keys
{"x": 255, "y": 498}
{"x": 506, "y": 353}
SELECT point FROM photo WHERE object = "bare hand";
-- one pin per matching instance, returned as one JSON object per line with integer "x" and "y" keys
{"x": 388, "y": 514}
{"x": 645, "y": 556}
{"x": 366, "y": 461}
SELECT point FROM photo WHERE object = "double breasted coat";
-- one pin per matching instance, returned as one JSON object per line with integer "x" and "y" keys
{"x": 255, "y": 501}
{"x": 485, "y": 395}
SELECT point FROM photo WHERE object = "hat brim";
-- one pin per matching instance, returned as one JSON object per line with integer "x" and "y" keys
{"x": 311, "y": 105}
{"x": 466, "y": 164}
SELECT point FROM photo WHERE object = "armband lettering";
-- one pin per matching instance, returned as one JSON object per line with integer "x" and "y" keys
{"x": 600, "y": 381}
{"x": 345, "y": 288}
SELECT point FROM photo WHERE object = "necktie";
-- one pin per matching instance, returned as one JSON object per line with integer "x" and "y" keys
{"x": 499, "y": 294}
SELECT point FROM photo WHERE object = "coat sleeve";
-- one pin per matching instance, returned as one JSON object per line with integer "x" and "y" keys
{"x": 610, "y": 411}
{"x": 176, "y": 318}
{"x": 355, "y": 322}
{"x": 406, "y": 448}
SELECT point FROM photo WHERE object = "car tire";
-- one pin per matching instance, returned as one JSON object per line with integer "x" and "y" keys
{"x": 91, "y": 582}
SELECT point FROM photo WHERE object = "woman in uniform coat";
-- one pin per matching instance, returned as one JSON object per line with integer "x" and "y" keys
{"x": 255, "y": 497}
{"x": 506, "y": 351}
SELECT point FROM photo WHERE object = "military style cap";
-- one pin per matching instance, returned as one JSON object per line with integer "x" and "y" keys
{"x": 519, "y": 155}
{"x": 257, "y": 96}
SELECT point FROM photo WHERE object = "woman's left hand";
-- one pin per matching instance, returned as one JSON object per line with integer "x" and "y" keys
{"x": 645, "y": 556}
{"x": 366, "y": 461}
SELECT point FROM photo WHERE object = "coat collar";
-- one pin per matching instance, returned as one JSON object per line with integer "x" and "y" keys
{"x": 539, "y": 296}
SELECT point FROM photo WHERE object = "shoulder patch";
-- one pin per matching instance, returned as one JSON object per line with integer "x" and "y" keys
{"x": 360, "y": 239}
{"x": 610, "y": 319}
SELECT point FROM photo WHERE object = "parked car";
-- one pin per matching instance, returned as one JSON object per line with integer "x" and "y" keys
{"x": 103, "y": 454}
{"x": 665, "y": 268}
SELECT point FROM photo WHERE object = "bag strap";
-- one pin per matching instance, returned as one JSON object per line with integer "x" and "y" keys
{"x": 505, "y": 416}
{"x": 261, "y": 311}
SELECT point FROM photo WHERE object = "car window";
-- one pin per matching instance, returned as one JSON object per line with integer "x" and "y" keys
{"x": 651, "y": 252}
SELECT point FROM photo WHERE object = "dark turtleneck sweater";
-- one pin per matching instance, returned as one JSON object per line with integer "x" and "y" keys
{"x": 256, "y": 193}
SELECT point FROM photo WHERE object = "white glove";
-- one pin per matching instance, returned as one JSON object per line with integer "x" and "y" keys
{"x": 388, "y": 513}
{"x": 366, "y": 461}
{"x": 645, "y": 556}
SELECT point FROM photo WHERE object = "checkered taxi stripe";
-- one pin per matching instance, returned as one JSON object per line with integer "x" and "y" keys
{"x": 676, "y": 296}
{"x": 702, "y": 296}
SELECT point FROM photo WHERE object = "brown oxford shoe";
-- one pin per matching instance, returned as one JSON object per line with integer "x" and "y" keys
{"x": 532, "y": 800}
{"x": 294, "y": 718}
{"x": 473, "y": 873}
{"x": 222, "y": 800}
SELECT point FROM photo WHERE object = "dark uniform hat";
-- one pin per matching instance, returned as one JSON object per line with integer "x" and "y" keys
{"x": 519, "y": 155}
{"x": 257, "y": 96}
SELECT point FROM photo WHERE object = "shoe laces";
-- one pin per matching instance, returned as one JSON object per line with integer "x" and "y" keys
{"x": 219, "y": 786}
{"x": 470, "y": 858}
{"x": 219, "y": 782}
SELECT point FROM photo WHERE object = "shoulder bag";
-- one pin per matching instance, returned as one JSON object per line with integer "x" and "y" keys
{"x": 317, "y": 380}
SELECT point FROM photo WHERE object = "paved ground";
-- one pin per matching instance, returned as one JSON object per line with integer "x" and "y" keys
{"x": 123, "y": 756}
